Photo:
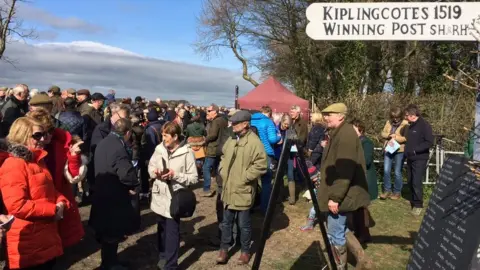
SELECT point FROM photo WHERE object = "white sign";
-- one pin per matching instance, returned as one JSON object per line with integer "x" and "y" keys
{"x": 450, "y": 21}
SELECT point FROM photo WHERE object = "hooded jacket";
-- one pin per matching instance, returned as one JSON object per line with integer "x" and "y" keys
{"x": 266, "y": 131}
{"x": 182, "y": 162}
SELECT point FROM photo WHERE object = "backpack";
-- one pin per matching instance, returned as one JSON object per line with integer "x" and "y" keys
{"x": 143, "y": 140}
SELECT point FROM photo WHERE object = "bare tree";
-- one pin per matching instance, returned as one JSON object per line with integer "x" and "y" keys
{"x": 466, "y": 76}
{"x": 221, "y": 27}
{"x": 11, "y": 26}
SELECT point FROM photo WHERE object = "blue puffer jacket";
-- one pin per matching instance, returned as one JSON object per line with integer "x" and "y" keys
{"x": 266, "y": 131}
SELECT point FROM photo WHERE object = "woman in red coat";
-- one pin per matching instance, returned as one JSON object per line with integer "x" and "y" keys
{"x": 60, "y": 148}
{"x": 30, "y": 196}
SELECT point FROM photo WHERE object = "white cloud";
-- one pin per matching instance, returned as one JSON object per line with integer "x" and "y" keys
{"x": 99, "y": 67}
{"x": 32, "y": 13}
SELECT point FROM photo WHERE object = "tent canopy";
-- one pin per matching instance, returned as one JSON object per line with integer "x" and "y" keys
{"x": 272, "y": 93}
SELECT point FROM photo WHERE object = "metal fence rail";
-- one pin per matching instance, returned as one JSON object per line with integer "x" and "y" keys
{"x": 436, "y": 161}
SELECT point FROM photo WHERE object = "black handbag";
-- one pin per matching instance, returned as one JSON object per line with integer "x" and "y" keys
{"x": 183, "y": 201}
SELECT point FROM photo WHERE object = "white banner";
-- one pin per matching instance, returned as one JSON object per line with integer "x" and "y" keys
{"x": 450, "y": 21}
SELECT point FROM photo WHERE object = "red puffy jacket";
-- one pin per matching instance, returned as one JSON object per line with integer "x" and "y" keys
{"x": 29, "y": 194}
{"x": 70, "y": 227}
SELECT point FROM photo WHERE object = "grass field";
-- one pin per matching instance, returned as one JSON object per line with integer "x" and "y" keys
{"x": 287, "y": 247}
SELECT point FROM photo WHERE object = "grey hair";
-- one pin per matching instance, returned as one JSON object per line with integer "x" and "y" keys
{"x": 295, "y": 108}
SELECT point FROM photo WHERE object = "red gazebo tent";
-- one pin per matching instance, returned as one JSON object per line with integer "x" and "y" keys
{"x": 272, "y": 93}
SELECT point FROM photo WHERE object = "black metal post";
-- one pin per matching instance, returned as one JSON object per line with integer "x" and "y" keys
{"x": 277, "y": 185}
{"x": 320, "y": 218}
{"x": 236, "y": 96}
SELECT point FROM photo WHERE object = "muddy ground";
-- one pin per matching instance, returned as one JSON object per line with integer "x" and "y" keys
{"x": 287, "y": 247}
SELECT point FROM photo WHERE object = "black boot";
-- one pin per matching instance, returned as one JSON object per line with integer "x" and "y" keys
{"x": 109, "y": 256}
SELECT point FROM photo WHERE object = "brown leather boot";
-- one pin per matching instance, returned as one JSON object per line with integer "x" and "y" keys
{"x": 363, "y": 261}
{"x": 222, "y": 257}
{"x": 243, "y": 259}
{"x": 291, "y": 192}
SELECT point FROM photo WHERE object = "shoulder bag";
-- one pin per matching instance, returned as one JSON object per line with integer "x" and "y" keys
{"x": 183, "y": 201}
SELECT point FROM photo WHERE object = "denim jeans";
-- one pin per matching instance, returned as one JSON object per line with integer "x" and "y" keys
{"x": 244, "y": 224}
{"x": 211, "y": 163}
{"x": 266, "y": 186}
{"x": 336, "y": 228}
{"x": 311, "y": 214}
{"x": 389, "y": 159}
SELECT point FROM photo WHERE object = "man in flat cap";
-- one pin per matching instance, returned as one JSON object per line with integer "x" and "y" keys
{"x": 41, "y": 101}
{"x": 243, "y": 162}
{"x": 83, "y": 99}
{"x": 68, "y": 93}
{"x": 56, "y": 96}
{"x": 343, "y": 188}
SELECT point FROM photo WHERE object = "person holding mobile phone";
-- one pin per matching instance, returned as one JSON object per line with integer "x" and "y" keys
{"x": 172, "y": 166}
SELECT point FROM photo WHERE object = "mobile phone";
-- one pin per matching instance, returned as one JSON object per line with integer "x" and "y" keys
{"x": 8, "y": 223}
{"x": 164, "y": 166}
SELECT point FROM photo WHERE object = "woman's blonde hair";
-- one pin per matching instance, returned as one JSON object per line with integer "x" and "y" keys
{"x": 286, "y": 118}
{"x": 317, "y": 118}
{"x": 22, "y": 130}
{"x": 43, "y": 117}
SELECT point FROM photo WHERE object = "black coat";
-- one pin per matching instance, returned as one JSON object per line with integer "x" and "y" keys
{"x": 99, "y": 133}
{"x": 11, "y": 111}
{"x": 315, "y": 137}
{"x": 419, "y": 140}
{"x": 112, "y": 214}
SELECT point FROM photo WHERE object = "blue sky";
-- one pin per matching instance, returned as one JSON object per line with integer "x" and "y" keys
{"x": 141, "y": 47}
{"x": 163, "y": 29}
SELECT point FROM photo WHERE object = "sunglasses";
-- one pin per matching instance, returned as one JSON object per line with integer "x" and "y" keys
{"x": 39, "y": 135}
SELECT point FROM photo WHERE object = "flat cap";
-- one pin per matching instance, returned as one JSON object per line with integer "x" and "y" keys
{"x": 241, "y": 116}
{"x": 97, "y": 96}
{"x": 54, "y": 89}
{"x": 83, "y": 92}
{"x": 71, "y": 91}
{"x": 336, "y": 108}
{"x": 40, "y": 99}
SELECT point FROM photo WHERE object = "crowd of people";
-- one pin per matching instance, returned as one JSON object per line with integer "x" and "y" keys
{"x": 63, "y": 149}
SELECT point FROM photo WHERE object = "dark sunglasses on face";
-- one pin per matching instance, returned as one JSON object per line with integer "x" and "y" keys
{"x": 39, "y": 135}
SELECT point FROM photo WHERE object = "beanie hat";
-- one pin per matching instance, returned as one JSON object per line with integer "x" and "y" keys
{"x": 152, "y": 115}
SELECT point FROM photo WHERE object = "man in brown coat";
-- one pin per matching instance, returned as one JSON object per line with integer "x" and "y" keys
{"x": 215, "y": 129}
{"x": 300, "y": 126}
{"x": 343, "y": 188}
